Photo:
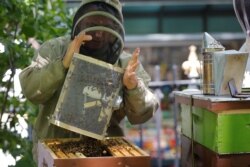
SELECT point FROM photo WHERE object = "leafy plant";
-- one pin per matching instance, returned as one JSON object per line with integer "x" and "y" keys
{"x": 22, "y": 20}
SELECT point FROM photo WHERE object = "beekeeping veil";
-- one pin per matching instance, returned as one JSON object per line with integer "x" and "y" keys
{"x": 102, "y": 19}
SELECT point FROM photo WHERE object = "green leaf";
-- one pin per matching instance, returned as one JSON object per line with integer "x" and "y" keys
{"x": 28, "y": 30}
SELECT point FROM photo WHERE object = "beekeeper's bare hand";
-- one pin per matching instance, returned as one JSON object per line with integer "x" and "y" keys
{"x": 74, "y": 47}
{"x": 130, "y": 80}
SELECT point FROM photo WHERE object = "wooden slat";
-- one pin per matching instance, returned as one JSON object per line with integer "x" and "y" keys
{"x": 60, "y": 154}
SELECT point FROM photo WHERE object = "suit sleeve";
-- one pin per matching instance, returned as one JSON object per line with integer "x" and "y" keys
{"x": 44, "y": 76}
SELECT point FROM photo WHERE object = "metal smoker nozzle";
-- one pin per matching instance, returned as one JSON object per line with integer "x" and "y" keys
{"x": 209, "y": 44}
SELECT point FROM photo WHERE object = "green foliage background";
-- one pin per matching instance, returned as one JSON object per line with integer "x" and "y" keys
{"x": 21, "y": 20}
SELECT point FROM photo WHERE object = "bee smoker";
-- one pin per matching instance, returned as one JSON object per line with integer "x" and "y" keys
{"x": 209, "y": 46}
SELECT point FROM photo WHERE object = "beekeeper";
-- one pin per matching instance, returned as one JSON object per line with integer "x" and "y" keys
{"x": 98, "y": 32}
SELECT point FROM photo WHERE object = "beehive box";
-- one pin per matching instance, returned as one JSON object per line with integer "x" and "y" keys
{"x": 224, "y": 133}
{"x": 111, "y": 152}
{"x": 218, "y": 123}
{"x": 194, "y": 154}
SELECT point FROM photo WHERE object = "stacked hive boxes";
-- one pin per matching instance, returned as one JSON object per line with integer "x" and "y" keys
{"x": 215, "y": 130}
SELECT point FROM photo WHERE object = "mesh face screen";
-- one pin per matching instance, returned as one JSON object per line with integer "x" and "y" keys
{"x": 107, "y": 36}
{"x": 94, "y": 19}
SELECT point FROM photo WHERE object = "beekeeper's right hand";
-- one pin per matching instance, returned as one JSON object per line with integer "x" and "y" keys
{"x": 74, "y": 47}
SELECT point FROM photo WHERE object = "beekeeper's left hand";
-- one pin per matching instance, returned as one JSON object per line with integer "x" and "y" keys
{"x": 130, "y": 79}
